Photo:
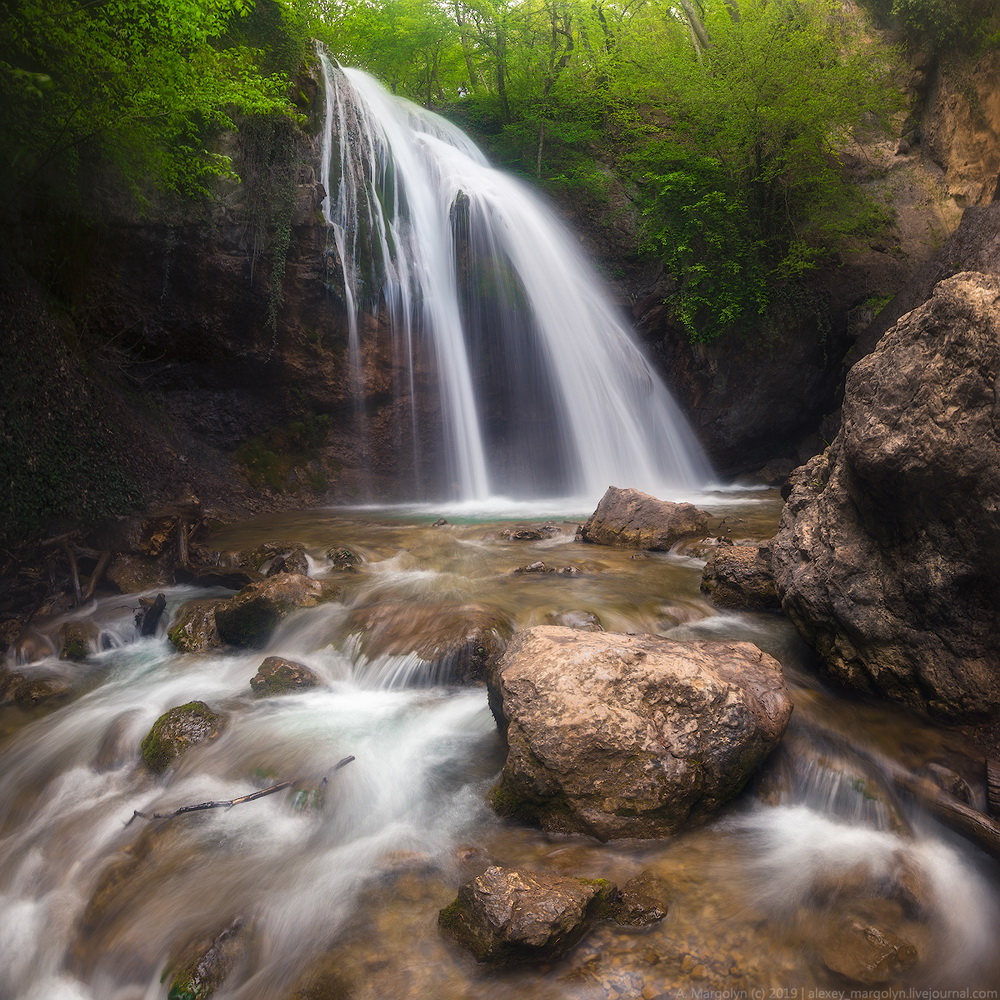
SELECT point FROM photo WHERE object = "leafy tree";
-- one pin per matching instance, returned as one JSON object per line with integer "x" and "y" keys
{"x": 140, "y": 85}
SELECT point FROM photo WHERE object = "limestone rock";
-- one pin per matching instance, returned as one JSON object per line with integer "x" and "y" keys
{"x": 888, "y": 555}
{"x": 194, "y": 629}
{"x": 176, "y": 731}
{"x": 277, "y": 675}
{"x": 459, "y": 642}
{"x": 631, "y": 519}
{"x": 248, "y": 619}
{"x": 630, "y": 735}
{"x": 739, "y": 577}
{"x": 507, "y": 917}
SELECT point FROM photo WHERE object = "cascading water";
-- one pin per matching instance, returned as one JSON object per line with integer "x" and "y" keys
{"x": 540, "y": 389}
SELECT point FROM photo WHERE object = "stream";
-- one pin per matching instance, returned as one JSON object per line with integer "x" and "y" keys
{"x": 341, "y": 884}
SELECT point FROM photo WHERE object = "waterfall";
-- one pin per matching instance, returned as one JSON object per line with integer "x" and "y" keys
{"x": 519, "y": 376}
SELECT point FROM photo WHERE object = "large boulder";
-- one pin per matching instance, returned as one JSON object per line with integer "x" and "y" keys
{"x": 740, "y": 577}
{"x": 631, "y": 735}
{"x": 888, "y": 555}
{"x": 635, "y": 520}
{"x": 507, "y": 917}
{"x": 250, "y": 617}
{"x": 460, "y": 643}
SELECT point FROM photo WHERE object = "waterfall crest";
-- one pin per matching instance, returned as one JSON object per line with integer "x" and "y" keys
{"x": 538, "y": 387}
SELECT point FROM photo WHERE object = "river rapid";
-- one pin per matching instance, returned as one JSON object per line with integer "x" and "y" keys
{"x": 340, "y": 884}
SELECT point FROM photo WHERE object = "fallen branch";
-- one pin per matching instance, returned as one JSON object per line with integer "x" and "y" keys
{"x": 228, "y": 803}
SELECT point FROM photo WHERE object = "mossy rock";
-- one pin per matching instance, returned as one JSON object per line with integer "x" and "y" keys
{"x": 78, "y": 639}
{"x": 176, "y": 731}
{"x": 194, "y": 629}
{"x": 249, "y": 619}
{"x": 276, "y": 675}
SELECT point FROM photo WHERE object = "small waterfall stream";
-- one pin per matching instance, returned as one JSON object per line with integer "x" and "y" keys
{"x": 540, "y": 388}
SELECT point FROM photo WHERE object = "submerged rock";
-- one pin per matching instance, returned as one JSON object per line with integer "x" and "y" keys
{"x": 642, "y": 900}
{"x": 888, "y": 555}
{"x": 276, "y": 675}
{"x": 507, "y": 917}
{"x": 204, "y": 964}
{"x": 740, "y": 577}
{"x": 586, "y": 621}
{"x": 248, "y": 619}
{"x": 630, "y": 736}
{"x": 459, "y": 642}
{"x": 863, "y": 953}
{"x": 176, "y": 731}
{"x": 635, "y": 520}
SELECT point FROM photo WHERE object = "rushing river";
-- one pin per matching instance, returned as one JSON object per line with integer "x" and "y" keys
{"x": 348, "y": 883}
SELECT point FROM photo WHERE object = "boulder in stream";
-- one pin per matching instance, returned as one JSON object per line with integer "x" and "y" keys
{"x": 77, "y": 639}
{"x": 176, "y": 731}
{"x": 249, "y": 618}
{"x": 459, "y": 642}
{"x": 508, "y": 917}
{"x": 740, "y": 577}
{"x": 631, "y": 519}
{"x": 888, "y": 555}
{"x": 630, "y": 735}
{"x": 194, "y": 629}
{"x": 276, "y": 675}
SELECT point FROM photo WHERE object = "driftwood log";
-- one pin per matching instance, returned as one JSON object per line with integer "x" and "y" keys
{"x": 229, "y": 803}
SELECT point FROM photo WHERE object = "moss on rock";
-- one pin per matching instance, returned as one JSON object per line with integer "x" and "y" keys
{"x": 176, "y": 731}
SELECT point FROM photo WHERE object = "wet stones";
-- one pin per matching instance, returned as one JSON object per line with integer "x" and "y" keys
{"x": 459, "y": 642}
{"x": 204, "y": 964}
{"x": 248, "y": 619}
{"x": 344, "y": 560}
{"x": 276, "y": 676}
{"x": 194, "y": 629}
{"x": 77, "y": 640}
{"x": 631, "y": 519}
{"x": 739, "y": 577}
{"x": 176, "y": 731}
{"x": 630, "y": 736}
{"x": 506, "y": 917}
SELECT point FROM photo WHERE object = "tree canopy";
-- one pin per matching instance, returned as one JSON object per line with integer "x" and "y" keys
{"x": 722, "y": 120}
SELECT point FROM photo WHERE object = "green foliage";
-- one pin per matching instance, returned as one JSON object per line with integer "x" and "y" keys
{"x": 131, "y": 89}
{"x": 727, "y": 130}
{"x": 271, "y": 458}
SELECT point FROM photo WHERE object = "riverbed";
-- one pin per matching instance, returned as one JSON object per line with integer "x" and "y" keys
{"x": 337, "y": 881}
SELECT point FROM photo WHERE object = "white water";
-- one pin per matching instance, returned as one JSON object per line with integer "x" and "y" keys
{"x": 367, "y": 873}
{"x": 541, "y": 389}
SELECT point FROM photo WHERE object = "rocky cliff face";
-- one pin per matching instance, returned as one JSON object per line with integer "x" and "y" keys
{"x": 888, "y": 556}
